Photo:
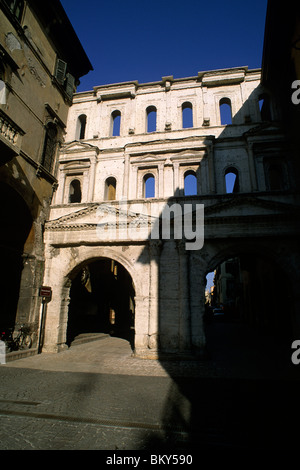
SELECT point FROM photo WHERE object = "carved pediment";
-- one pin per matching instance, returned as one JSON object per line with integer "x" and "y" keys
{"x": 239, "y": 206}
{"x": 98, "y": 215}
{"x": 79, "y": 147}
{"x": 149, "y": 157}
{"x": 265, "y": 128}
{"x": 76, "y": 165}
{"x": 189, "y": 153}
{"x": 185, "y": 155}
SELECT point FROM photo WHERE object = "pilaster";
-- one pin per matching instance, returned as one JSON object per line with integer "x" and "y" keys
{"x": 184, "y": 315}
{"x": 153, "y": 320}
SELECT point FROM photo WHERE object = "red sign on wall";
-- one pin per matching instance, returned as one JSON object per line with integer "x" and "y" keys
{"x": 46, "y": 292}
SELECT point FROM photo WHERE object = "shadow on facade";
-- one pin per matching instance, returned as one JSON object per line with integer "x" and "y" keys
{"x": 17, "y": 224}
{"x": 239, "y": 395}
{"x": 228, "y": 379}
{"x": 21, "y": 240}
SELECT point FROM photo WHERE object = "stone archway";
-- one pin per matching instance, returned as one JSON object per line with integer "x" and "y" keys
{"x": 16, "y": 232}
{"x": 101, "y": 301}
{"x": 254, "y": 284}
{"x": 63, "y": 265}
{"x": 250, "y": 327}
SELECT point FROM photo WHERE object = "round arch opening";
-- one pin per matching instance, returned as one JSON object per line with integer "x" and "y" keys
{"x": 252, "y": 289}
{"x": 101, "y": 301}
{"x": 249, "y": 317}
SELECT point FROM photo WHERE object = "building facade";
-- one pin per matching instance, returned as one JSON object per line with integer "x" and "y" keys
{"x": 177, "y": 151}
{"x": 39, "y": 74}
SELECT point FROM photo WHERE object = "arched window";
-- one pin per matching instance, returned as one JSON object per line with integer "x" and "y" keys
{"x": 149, "y": 185}
{"x": 275, "y": 176}
{"x": 151, "y": 118}
{"x": 232, "y": 180}
{"x": 50, "y": 144}
{"x": 187, "y": 115}
{"x": 110, "y": 189}
{"x": 225, "y": 111}
{"x": 75, "y": 191}
{"x": 264, "y": 107}
{"x": 115, "y": 123}
{"x": 190, "y": 183}
{"x": 81, "y": 126}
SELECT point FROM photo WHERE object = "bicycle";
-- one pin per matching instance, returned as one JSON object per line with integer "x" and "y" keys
{"x": 16, "y": 340}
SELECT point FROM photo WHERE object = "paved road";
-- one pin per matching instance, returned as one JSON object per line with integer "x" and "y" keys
{"x": 96, "y": 396}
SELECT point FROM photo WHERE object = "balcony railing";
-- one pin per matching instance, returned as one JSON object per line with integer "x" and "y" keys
{"x": 10, "y": 133}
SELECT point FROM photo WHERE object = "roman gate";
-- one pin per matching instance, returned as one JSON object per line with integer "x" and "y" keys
{"x": 204, "y": 152}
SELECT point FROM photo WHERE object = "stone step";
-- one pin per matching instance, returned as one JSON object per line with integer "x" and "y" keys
{"x": 88, "y": 337}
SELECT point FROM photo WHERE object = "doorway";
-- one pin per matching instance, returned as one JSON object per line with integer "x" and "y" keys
{"x": 102, "y": 301}
{"x": 248, "y": 312}
{"x": 16, "y": 232}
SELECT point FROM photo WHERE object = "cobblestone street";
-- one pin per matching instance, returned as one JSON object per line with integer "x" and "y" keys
{"x": 96, "y": 396}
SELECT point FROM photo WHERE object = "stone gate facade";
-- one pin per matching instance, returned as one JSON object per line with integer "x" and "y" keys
{"x": 131, "y": 151}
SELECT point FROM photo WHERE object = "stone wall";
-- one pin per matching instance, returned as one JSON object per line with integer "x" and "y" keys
{"x": 169, "y": 280}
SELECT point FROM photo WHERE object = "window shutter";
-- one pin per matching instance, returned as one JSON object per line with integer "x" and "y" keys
{"x": 60, "y": 72}
{"x": 70, "y": 85}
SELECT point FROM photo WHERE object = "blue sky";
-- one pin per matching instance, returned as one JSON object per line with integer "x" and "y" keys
{"x": 147, "y": 40}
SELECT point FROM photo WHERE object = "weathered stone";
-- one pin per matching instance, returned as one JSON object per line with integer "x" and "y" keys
{"x": 113, "y": 217}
